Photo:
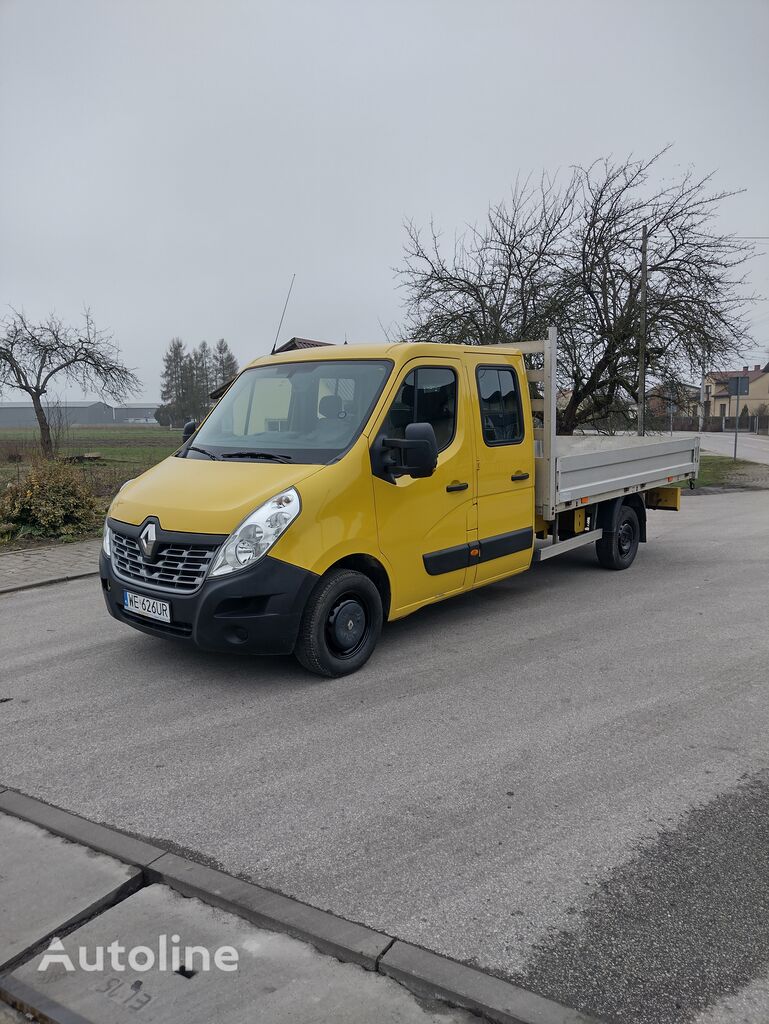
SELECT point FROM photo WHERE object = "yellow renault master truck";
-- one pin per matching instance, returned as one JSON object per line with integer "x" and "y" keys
{"x": 333, "y": 489}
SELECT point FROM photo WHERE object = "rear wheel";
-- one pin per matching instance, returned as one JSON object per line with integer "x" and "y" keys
{"x": 341, "y": 624}
{"x": 618, "y": 550}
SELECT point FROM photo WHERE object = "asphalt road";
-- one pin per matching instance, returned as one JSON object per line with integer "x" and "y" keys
{"x": 561, "y": 779}
{"x": 753, "y": 447}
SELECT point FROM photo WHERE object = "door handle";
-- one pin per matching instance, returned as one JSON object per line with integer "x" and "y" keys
{"x": 457, "y": 486}
{"x": 520, "y": 476}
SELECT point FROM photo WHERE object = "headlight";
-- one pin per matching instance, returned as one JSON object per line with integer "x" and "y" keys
{"x": 257, "y": 533}
{"x": 106, "y": 539}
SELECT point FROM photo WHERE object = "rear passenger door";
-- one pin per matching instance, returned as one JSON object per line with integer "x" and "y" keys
{"x": 505, "y": 479}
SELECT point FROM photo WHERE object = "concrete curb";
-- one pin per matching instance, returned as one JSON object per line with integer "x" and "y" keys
{"x": 436, "y": 977}
{"x": 28, "y": 1000}
{"x": 46, "y": 583}
{"x": 330, "y": 934}
{"x": 425, "y": 973}
{"x": 79, "y": 830}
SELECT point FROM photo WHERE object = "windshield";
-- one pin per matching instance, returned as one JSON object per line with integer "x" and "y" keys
{"x": 298, "y": 412}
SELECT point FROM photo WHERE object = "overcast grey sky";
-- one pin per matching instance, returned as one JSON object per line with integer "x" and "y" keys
{"x": 171, "y": 163}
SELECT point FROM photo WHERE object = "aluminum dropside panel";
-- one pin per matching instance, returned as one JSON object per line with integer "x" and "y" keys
{"x": 599, "y": 468}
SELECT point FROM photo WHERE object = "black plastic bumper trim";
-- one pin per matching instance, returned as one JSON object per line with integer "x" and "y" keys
{"x": 256, "y": 611}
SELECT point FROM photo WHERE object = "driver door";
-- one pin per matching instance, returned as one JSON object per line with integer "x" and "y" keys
{"x": 425, "y": 525}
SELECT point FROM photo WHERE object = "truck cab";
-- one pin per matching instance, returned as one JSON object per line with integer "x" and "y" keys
{"x": 331, "y": 490}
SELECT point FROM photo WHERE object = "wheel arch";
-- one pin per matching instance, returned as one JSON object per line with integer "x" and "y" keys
{"x": 374, "y": 570}
{"x": 609, "y": 511}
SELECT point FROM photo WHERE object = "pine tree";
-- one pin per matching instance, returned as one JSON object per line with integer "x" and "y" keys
{"x": 188, "y": 399}
{"x": 204, "y": 375}
{"x": 172, "y": 382}
{"x": 225, "y": 365}
{"x": 188, "y": 378}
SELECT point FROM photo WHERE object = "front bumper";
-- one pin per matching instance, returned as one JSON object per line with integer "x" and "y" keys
{"x": 254, "y": 611}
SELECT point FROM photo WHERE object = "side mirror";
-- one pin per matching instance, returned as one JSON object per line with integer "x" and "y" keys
{"x": 414, "y": 455}
{"x": 188, "y": 430}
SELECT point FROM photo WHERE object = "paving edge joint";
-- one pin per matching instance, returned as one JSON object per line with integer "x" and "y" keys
{"x": 48, "y": 582}
{"x": 425, "y": 973}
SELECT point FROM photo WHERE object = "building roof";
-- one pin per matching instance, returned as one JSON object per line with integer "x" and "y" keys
{"x": 63, "y": 405}
{"x": 293, "y": 344}
{"x": 720, "y": 378}
{"x": 754, "y": 374}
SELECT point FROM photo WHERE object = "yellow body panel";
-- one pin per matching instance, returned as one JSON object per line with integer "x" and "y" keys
{"x": 199, "y": 496}
{"x": 667, "y": 498}
{"x": 348, "y": 511}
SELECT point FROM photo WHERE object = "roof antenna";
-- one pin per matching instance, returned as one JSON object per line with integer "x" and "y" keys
{"x": 345, "y": 337}
{"x": 285, "y": 307}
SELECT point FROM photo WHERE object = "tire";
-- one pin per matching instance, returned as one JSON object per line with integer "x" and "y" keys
{"x": 618, "y": 550}
{"x": 340, "y": 625}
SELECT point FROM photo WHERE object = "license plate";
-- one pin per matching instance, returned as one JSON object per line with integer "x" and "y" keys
{"x": 149, "y": 607}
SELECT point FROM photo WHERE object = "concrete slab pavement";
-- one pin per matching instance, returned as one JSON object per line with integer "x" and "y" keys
{"x": 154, "y": 949}
{"x": 276, "y": 978}
{"x": 69, "y": 883}
{"x": 426, "y": 974}
{"x": 33, "y": 567}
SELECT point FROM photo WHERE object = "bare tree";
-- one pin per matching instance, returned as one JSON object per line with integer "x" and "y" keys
{"x": 35, "y": 355}
{"x": 495, "y": 285}
{"x": 570, "y": 256}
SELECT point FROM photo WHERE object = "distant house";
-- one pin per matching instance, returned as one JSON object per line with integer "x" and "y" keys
{"x": 136, "y": 412}
{"x": 676, "y": 398}
{"x": 718, "y": 401}
{"x": 21, "y": 414}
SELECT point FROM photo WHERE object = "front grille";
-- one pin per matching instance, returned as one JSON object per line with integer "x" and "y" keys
{"x": 176, "y": 567}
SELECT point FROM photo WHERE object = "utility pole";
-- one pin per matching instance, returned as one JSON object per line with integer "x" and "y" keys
{"x": 701, "y": 410}
{"x": 642, "y": 342}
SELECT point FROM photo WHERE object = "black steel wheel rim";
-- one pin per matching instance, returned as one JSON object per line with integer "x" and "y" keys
{"x": 348, "y": 626}
{"x": 625, "y": 538}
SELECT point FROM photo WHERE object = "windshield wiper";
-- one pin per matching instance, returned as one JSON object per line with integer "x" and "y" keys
{"x": 203, "y": 451}
{"x": 256, "y": 455}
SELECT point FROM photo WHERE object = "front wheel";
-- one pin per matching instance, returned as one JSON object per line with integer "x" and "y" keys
{"x": 340, "y": 625}
{"x": 618, "y": 550}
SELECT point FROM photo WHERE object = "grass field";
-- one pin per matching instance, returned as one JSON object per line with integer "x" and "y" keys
{"x": 118, "y": 443}
{"x": 124, "y": 450}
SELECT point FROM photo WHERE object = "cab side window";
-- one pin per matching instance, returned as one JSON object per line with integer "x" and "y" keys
{"x": 427, "y": 395}
{"x": 500, "y": 402}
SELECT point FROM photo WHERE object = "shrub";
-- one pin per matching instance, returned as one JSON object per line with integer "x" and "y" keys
{"x": 53, "y": 500}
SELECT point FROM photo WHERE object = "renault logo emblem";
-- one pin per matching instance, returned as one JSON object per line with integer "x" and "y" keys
{"x": 148, "y": 541}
